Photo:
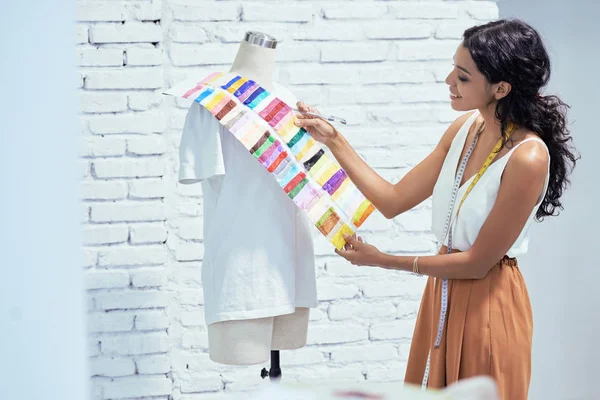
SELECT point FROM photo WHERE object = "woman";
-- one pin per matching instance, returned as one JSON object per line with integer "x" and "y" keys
{"x": 493, "y": 171}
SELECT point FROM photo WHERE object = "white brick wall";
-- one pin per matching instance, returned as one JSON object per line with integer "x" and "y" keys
{"x": 380, "y": 64}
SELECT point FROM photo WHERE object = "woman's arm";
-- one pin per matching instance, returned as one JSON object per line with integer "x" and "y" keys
{"x": 391, "y": 200}
{"x": 521, "y": 186}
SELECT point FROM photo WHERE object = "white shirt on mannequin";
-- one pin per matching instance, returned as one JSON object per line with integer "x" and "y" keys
{"x": 259, "y": 255}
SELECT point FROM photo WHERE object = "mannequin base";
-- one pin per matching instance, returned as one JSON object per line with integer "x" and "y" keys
{"x": 250, "y": 341}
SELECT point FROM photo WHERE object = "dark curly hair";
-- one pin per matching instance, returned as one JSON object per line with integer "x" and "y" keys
{"x": 512, "y": 51}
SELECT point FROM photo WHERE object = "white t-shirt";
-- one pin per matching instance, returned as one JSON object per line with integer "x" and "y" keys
{"x": 479, "y": 202}
{"x": 259, "y": 255}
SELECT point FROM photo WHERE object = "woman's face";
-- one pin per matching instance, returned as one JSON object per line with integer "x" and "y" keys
{"x": 469, "y": 89}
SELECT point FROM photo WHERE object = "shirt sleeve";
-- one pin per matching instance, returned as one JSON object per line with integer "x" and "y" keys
{"x": 200, "y": 148}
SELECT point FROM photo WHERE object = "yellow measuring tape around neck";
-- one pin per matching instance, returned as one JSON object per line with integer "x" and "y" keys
{"x": 486, "y": 164}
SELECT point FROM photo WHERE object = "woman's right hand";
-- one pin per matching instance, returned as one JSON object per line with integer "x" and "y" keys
{"x": 320, "y": 130}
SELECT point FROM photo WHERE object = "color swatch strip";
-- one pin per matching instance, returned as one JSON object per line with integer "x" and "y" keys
{"x": 264, "y": 124}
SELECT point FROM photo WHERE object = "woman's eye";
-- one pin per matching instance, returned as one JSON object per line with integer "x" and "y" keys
{"x": 462, "y": 79}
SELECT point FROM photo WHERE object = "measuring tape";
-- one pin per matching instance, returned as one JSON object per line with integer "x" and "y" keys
{"x": 448, "y": 231}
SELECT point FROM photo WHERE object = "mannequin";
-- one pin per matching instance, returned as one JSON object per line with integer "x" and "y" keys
{"x": 247, "y": 335}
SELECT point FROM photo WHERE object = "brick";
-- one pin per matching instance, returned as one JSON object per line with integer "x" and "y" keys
{"x": 314, "y": 375}
{"x": 208, "y": 11}
{"x": 480, "y": 10}
{"x": 100, "y": 12}
{"x": 98, "y": 102}
{"x": 143, "y": 101}
{"x": 128, "y": 299}
{"x": 376, "y": 223}
{"x": 138, "y": 386}
{"x": 407, "y": 309}
{"x": 146, "y": 145}
{"x": 153, "y": 233}
{"x": 137, "y": 78}
{"x": 278, "y": 12}
{"x": 129, "y": 168}
{"x": 151, "y": 320}
{"x": 410, "y": 243}
{"x": 407, "y": 113}
{"x": 188, "y": 274}
{"x": 111, "y": 366}
{"x": 305, "y": 356}
{"x": 191, "y": 229}
{"x": 110, "y": 322}
{"x": 415, "y": 221}
{"x": 390, "y": 372}
{"x": 148, "y": 277}
{"x": 201, "y": 383}
{"x": 424, "y": 10}
{"x": 354, "y": 52}
{"x": 81, "y": 34}
{"x": 106, "y": 279}
{"x": 362, "y": 311}
{"x": 234, "y": 33}
{"x": 189, "y": 252}
{"x": 426, "y": 50}
{"x": 189, "y": 33}
{"x": 383, "y": 158}
{"x": 184, "y": 55}
{"x": 92, "y": 57}
{"x": 191, "y": 297}
{"x": 328, "y": 289}
{"x": 129, "y": 212}
{"x": 93, "y": 346}
{"x": 193, "y": 318}
{"x": 151, "y": 365}
{"x": 102, "y": 147}
{"x": 327, "y": 333}
{"x": 300, "y": 52}
{"x": 194, "y": 339}
{"x": 132, "y": 256}
{"x": 330, "y": 30}
{"x": 144, "y": 56}
{"x": 145, "y": 11}
{"x": 317, "y": 314}
{"x": 398, "y": 329}
{"x": 320, "y": 74}
{"x": 453, "y": 29}
{"x": 400, "y": 73}
{"x": 340, "y": 267}
{"x": 89, "y": 259}
{"x": 342, "y": 10}
{"x": 131, "y": 32}
{"x": 103, "y": 190}
{"x": 105, "y": 234}
{"x": 377, "y": 352}
{"x": 399, "y": 30}
{"x": 400, "y": 288}
{"x": 147, "y": 122}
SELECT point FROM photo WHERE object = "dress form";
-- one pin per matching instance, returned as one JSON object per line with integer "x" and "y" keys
{"x": 251, "y": 341}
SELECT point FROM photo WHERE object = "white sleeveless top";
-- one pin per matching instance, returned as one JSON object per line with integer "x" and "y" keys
{"x": 478, "y": 203}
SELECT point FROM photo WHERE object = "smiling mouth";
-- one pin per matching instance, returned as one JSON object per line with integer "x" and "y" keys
{"x": 455, "y": 96}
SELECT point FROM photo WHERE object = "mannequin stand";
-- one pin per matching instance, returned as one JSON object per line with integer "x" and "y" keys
{"x": 274, "y": 373}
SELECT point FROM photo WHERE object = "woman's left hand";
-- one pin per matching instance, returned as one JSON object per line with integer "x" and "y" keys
{"x": 360, "y": 253}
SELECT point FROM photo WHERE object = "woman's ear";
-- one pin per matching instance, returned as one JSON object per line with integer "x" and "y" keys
{"x": 502, "y": 90}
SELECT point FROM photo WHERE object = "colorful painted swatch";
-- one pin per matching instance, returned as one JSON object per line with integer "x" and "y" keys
{"x": 264, "y": 124}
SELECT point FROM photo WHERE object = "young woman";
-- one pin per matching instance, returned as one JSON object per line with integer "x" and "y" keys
{"x": 494, "y": 171}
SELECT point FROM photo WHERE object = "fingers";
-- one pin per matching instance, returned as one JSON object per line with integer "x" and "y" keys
{"x": 351, "y": 239}
{"x": 316, "y": 123}
{"x": 306, "y": 108}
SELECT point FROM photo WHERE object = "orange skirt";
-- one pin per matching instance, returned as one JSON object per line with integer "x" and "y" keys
{"x": 488, "y": 331}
